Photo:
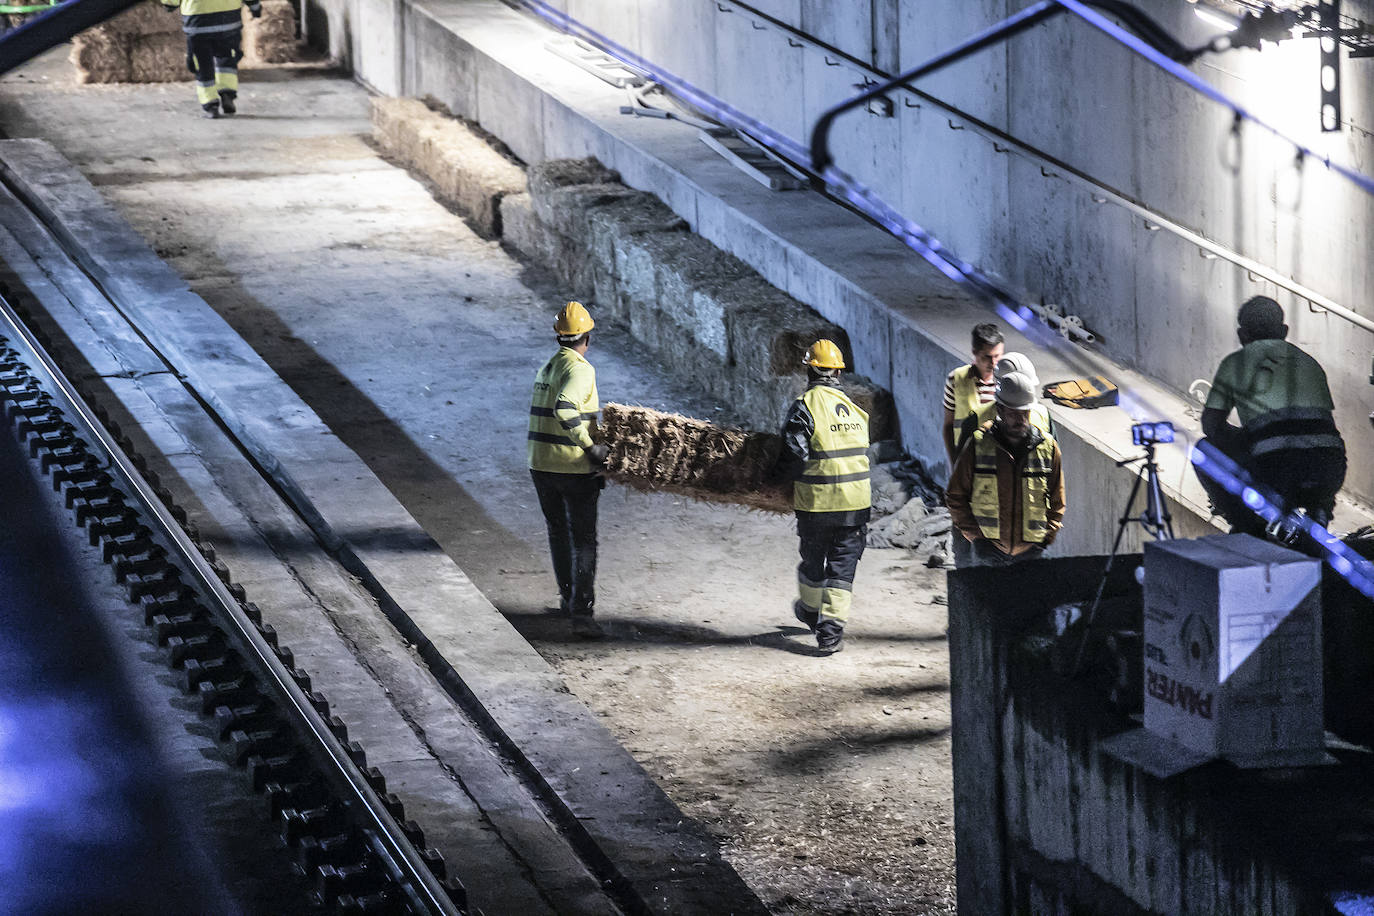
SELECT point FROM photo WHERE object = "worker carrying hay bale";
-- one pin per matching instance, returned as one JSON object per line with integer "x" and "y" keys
{"x": 655, "y": 451}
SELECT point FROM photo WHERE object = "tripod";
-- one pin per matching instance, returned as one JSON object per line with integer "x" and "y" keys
{"x": 1155, "y": 521}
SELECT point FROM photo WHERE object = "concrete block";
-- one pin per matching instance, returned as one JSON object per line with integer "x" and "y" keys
{"x": 768, "y": 331}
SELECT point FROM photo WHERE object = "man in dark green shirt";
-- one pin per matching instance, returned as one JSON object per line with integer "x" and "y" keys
{"x": 1287, "y": 439}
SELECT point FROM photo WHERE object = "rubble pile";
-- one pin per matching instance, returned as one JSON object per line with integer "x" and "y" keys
{"x": 909, "y": 512}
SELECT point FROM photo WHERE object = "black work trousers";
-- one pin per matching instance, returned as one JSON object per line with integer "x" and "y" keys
{"x": 829, "y": 559}
{"x": 1306, "y": 478}
{"x": 214, "y": 59}
{"x": 569, "y": 505}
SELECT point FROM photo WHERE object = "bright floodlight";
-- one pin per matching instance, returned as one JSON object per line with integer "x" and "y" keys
{"x": 1213, "y": 18}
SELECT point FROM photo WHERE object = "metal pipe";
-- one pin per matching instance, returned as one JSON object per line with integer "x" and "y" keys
{"x": 54, "y": 27}
{"x": 820, "y": 135}
{"x": 1013, "y": 25}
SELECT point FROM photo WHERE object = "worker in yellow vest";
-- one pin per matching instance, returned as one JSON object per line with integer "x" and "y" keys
{"x": 969, "y": 387}
{"x": 214, "y": 40}
{"x": 986, "y": 413}
{"x": 966, "y": 389}
{"x": 1006, "y": 493}
{"x": 825, "y": 453}
{"x": 563, "y": 461}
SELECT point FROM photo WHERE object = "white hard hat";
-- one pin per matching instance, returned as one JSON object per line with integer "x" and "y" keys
{"x": 1016, "y": 362}
{"x": 1016, "y": 390}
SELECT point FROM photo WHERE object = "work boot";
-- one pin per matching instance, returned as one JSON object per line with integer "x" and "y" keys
{"x": 830, "y": 636}
{"x": 806, "y": 616}
{"x": 226, "y": 101}
{"x": 585, "y": 626}
{"x": 210, "y": 110}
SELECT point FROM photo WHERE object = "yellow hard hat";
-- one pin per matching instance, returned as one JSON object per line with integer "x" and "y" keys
{"x": 573, "y": 321}
{"x": 824, "y": 355}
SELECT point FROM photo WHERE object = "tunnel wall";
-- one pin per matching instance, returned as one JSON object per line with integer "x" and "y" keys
{"x": 908, "y": 325}
{"x": 1048, "y": 823}
{"x": 1156, "y": 304}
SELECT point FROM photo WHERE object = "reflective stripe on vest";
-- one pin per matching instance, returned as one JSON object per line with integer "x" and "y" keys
{"x": 965, "y": 398}
{"x": 554, "y": 420}
{"x": 835, "y": 478}
{"x": 1039, "y": 417}
{"x": 985, "y": 502}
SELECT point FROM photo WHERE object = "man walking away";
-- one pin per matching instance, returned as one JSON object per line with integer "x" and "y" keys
{"x": 1287, "y": 438}
{"x": 825, "y": 452}
{"x": 214, "y": 39}
{"x": 563, "y": 460}
{"x": 1006, "y": 493}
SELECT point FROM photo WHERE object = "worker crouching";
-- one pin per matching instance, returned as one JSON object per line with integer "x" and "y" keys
{"x": 214, "y": 42}
{"x": 825, "y": 453}
{"x": 1006, "y": 493}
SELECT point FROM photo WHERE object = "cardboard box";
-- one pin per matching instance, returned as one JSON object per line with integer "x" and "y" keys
{"x": 1233, "y": 649}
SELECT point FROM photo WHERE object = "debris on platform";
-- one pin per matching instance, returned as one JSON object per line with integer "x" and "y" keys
{"x": 909, "y": 512}
{"x": 655, "y": 451}
{"x": 145, "y": 44}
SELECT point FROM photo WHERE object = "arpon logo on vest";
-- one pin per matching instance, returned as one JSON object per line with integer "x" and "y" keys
{"x": 841, "y": 410}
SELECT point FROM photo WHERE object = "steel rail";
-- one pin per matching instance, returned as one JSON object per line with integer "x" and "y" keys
{"x": 386, "y": 837}
{"x": 1072, "y": 174}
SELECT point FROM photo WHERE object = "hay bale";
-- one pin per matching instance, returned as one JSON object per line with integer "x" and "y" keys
{"x": 271, "y": 39}
{"x": 158, "y": 58}
{"x": 149, "y": 18}
{"x": 394, "y": 125}
{"x": 100, "y": 58}
{"x": 655, "y": 451}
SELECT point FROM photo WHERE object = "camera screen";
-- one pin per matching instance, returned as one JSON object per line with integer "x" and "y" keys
{"x": 1147, "y": 433}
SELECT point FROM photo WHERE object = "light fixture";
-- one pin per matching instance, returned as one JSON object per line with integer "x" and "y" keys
{"x": 1213, "y": 18}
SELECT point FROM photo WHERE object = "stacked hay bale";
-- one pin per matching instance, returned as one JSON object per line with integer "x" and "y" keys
{"x": 655, "y": 451}
{"x": 145, "y": 44}
{"x": 700, "y": 308}
{"x": 466, "y": 170}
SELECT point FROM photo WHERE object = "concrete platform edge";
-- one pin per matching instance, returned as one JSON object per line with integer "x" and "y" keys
{"x": 503, "y": 683}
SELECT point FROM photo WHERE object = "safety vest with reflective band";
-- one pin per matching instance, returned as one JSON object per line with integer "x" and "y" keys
{"x": 1293, "y": 428}
{"x": 563, "y": 410}
{"x": 200, "y": 17}
{"x": 965, "y": 397}
{"x": 1039, "y": 417}
{"x": 835, "y": 478}
{"x": 984, "y": 500}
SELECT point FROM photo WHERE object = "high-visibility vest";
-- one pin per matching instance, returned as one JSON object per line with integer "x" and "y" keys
{"x": 1039, "y": 417}
{"x": 563, "y": 410}
{"x": 203, "y": 7}
{"x": 835, "y": 478}
{"x": 965, "y": 397}
{"x": 985, "y": 502}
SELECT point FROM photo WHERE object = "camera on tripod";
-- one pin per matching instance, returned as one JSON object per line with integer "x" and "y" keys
{"x": 1152, "y": 433}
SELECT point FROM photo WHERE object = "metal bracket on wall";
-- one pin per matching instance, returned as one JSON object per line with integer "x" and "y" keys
{"x": 599, "y": 64}
{"x": 756, "y": 162}
{"x": 1330, "y": 65}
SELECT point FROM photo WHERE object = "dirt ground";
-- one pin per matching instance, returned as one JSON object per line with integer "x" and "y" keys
{"x": 828, "y": 780}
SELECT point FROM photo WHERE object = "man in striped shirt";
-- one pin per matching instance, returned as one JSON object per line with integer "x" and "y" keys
{"x": 969, "y": 387}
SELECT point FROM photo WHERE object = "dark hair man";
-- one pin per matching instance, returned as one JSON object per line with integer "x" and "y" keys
{"x": 1006, "y": 493}
{"x": 970, "y": 386}
{"x": 563, "y": 460}
{"x": 825, "y": 453}
{"x": 1287, "y": 439}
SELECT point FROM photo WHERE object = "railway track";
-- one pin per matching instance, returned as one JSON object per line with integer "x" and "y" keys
{"x": 346, "y": 833}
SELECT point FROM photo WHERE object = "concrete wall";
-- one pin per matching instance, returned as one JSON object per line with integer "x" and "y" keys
{"x": 1067, "y": 89}
{"x": 1047, "y": 823}
{"x": 907, "y": 323}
